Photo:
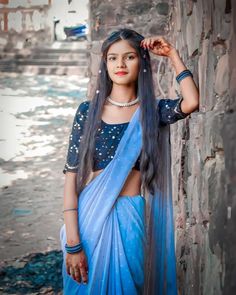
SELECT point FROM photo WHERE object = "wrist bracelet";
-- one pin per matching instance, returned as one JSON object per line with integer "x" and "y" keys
{"x": 74, "y": 249}
{"x": 183, "y": 75}
{"x": 70, "y": 209}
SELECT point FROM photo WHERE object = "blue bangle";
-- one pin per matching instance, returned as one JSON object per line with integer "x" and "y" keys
{"x": 183, "y": 75}
{"x": 74, "y": 249}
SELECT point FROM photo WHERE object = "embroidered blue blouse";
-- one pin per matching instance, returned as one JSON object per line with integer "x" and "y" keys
{"x": 109, "y": 135}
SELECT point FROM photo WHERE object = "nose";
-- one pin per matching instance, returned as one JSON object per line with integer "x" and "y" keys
{"x": 120, "y": 62}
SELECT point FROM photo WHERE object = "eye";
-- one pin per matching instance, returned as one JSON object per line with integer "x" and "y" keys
{"x": 111, "y": 58}
{"x": 130, "y": 57}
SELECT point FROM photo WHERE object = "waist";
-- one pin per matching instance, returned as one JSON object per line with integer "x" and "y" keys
{"x": 132, "y": 185}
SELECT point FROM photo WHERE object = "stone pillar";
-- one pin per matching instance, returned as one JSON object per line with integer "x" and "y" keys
{"x": 203, "y": 152}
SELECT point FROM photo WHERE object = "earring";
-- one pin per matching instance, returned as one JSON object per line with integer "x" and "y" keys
{"x": 144, "y": 70}
{"x": 99, "y": 71}
{"x": 97, "y": 91}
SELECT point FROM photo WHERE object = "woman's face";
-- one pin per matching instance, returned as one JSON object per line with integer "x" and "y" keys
{"x": 122, "y": 63}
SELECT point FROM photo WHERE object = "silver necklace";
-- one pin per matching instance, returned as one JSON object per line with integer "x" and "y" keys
{"x": 123, "y": 104}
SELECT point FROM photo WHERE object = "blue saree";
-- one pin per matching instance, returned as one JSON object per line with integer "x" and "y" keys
{"x": 128, "y": 241}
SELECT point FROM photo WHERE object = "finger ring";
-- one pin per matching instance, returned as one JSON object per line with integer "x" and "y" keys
{"x": 71, "y": 271}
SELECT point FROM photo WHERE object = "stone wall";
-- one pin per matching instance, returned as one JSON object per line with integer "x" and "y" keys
{"x": 203, "y": 152}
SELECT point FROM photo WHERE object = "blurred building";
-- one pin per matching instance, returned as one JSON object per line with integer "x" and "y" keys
{"x": 26, "y": 23}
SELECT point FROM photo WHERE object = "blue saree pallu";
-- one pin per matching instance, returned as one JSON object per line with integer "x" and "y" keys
{"x": 128, "y": 240}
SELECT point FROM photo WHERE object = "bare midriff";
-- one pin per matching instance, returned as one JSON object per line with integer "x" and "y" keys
{"x": 132, "y": 186}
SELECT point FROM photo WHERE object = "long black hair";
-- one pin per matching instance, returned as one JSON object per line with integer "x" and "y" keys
{"x": 148, "y": 107}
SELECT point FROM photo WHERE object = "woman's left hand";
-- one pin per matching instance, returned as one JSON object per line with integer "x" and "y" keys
{"x": 158, "y": 45}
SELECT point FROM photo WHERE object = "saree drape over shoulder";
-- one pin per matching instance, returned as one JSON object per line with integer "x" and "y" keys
{"x": 128, "y": 241}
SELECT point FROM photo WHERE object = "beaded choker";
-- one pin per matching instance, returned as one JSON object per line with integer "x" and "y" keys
{"x": 123, "y": 104}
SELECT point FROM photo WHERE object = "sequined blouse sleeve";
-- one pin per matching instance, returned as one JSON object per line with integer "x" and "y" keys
{"x": 75, "y": 137}
{"x": 170, "y": 110}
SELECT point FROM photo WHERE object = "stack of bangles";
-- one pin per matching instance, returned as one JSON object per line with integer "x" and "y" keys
{"x": 74, "y": 249}
{"x": 183, "y": 75}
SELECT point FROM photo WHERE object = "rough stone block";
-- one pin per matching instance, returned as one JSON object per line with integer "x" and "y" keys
{"x": 221, "y": 22}
{"x": 162, "y": 8}
{"x": 194, "y": 30}
{"x": 206, "y": 73}
{"x": 222, "y": 75}
{"x": 211, "y": 141}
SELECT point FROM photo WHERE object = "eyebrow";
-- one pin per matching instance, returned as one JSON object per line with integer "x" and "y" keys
{"x": 124, "y": 53}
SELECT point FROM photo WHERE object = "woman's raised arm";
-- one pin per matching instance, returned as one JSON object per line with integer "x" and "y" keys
{"x": 189, "y": 90}
{"x": 158, "y": 45}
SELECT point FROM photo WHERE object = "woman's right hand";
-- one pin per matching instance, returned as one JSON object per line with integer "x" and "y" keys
{"x": 76, "y": 266}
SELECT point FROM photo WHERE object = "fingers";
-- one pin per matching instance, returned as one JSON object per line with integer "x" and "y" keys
{"x": 74, "y": 273}
{"x": 77, "y": 268}
{"x": 68, "y": 269}
{"x": 84, "y": 276}
{"x": 151, "y": 41}
{"x": 79, "y": 274}
{"x": 148, "y": 42}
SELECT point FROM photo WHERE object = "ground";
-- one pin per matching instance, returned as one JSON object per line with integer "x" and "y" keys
{"x": 36, "y": 114}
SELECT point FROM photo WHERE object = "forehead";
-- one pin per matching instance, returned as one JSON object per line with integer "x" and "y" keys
{"x": 120, "y": 47}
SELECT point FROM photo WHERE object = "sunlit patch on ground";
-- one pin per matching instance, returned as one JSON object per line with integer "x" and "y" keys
{"x": 7, "y": 178}
{"x": 26, "y": 103}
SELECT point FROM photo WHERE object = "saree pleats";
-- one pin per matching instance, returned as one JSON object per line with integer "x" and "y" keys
{"x": 128, "y": 240}
{"x": 116, "y": 265}
{"x": 119, "y": 261}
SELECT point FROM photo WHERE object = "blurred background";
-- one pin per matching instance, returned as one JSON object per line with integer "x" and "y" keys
{"x": 43, "y": 78}
{"x": 49, "y": 59}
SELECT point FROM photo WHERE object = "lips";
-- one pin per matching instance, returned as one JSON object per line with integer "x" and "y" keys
{"x": 121, "y": 73}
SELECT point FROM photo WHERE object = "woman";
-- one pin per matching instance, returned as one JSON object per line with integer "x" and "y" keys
{"x": 118, "y": 236}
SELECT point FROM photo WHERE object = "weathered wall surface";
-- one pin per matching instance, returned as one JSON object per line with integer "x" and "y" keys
{"x": 203, "y": 152}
